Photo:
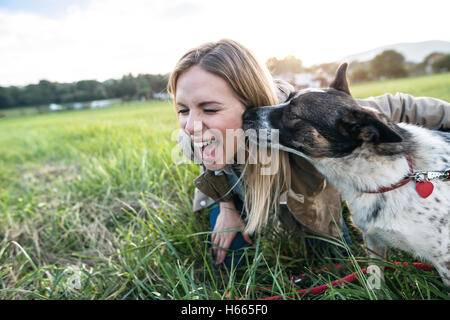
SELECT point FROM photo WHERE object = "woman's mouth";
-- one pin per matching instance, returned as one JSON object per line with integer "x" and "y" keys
{"x": 207, "y": 149}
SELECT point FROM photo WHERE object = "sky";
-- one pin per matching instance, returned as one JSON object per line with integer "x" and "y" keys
{"x": 69, "y": 40}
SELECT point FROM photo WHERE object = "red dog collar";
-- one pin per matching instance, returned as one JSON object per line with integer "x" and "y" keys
{"x": 400, "y": 183}
{"x": 424, "y": 186}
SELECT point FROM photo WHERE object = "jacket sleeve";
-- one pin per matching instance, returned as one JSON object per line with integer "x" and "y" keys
{"x": 214, "y": 186}
{"x": 428, "y": 112}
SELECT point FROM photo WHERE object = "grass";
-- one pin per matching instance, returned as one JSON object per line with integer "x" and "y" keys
{"x": 437, "y": 86}
{"x": 92, "y": 207}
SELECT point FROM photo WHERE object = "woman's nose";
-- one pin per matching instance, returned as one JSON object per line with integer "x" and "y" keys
{"x": 194, "y": 125}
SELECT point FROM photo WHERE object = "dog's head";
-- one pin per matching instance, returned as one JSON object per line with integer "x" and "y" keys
{"x": 323, "y": 122}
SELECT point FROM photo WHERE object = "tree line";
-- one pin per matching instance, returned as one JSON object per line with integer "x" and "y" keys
{"x": 129, "y": 87}
{"x": 390, "y": 64}
{"x": 386, "y": 65}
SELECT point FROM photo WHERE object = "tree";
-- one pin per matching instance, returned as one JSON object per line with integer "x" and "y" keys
{"x": 65, "y": 92}
{"x": 87, "y": 90}
{"x": 426, "y": 60}
{"x": 327, "y": 67}
{"x": 359, "y": 71}
{"x": 128, "y": 87}
{"x": 389, "y": 64}
{"x": 6, "y": 100}
{"x": 31, "y": 95}
{"x": 289, "y": 64}
{"x": 442, "y": 64}
{"x": 45, "y": 92}
{"x": 360, "y": 74}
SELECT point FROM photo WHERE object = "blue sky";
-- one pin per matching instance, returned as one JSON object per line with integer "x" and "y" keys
{"x": 48, "y": 8}
{"x": 68, "y": 40}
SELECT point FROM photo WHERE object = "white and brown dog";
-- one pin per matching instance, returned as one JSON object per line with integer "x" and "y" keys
{"x": 395, "y": 177}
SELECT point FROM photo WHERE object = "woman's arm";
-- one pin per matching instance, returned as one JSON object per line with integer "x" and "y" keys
{"x": 428, "y": 112}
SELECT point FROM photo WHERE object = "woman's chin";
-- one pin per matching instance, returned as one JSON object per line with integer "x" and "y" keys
{"x": 212, "y": 158}
{"x": 214, "y": 166}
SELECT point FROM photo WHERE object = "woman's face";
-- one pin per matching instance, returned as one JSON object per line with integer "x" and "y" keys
{"x": 207, "y": 107}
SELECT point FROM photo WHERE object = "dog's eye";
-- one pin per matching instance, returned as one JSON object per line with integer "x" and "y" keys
{"x": 290, "y": 115}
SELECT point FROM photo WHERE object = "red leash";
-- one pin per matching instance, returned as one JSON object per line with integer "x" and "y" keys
{"x": 350, "y": 278}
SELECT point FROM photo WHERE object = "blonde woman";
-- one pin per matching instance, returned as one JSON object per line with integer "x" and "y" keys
{"x": 212, "y": 85}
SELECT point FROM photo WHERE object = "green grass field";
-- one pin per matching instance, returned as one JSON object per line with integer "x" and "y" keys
{"x": 92, "y": 207}
{"x": 437, "y": 86}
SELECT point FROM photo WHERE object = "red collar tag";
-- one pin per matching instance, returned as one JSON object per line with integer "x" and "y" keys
{"x": 424, "y": 188}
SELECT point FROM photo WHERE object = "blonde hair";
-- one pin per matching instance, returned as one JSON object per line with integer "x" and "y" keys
{"x": 253, "y": 86}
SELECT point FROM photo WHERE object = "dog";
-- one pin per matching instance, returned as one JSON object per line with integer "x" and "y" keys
{"x": 395, "y": 177}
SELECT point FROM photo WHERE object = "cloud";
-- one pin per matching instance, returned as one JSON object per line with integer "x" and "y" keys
{"x": 106, "y": 39}
{"x": 181, "y": 10}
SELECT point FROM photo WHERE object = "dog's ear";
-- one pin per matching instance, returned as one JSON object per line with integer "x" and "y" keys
{"x": 340, "y": 81}
{"x": 366, "y": 127}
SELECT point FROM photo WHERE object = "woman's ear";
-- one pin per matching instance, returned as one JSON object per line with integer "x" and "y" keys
{"x": 340, "y": 81}
{"x": 366, "y": 127}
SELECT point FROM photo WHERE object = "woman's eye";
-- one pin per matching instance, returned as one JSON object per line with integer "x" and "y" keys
{"x": 210, "y": 110}
{"x": 183, "y": 111}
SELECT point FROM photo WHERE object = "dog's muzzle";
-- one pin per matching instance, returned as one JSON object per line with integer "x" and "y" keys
{"x": 257, "y": 118}
{"x": 249, "y": 118}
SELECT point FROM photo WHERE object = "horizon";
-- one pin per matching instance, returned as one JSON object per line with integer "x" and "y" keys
{"x": 168, "y": 72}
{"x": 72, "y": 40}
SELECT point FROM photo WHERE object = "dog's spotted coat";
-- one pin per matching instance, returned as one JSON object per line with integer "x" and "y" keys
{"x": 360, "y": 150}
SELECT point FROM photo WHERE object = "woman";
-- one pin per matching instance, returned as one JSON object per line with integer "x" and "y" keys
{"x": 212, "y": 85}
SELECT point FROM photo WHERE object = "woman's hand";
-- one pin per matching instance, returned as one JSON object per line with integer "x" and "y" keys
{"x": 228, "y": 219}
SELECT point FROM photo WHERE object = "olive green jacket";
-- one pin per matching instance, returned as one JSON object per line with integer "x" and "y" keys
{"x": 313, "y": 202}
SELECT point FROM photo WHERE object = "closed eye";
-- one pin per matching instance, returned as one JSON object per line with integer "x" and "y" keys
{"x": 289, "y": 115}
{"x": 186, "y": 111}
